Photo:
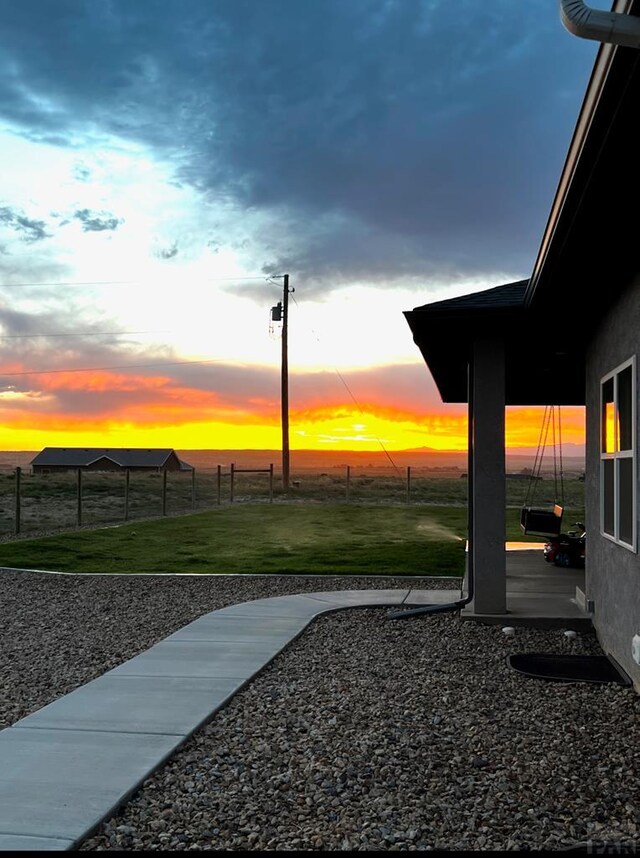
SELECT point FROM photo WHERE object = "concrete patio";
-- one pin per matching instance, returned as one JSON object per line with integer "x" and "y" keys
{"x": 538, "y": 594}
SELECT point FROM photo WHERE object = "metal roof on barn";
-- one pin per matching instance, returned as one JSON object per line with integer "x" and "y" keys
{"x": 82, "y": 457}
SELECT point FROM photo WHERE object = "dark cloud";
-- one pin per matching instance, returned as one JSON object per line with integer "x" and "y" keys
{"x": 88, "y": 372}
{"x": 81, "y": 173}
{"x": 405, "y": 388}
{"x": 62, "y": 338}
{"x": 28, "y": 267}
{"x": 30, "y": 230}
{"x": 395, "y": 138}
{"x": 15, "y": 323}
{"x": 168, "y": 252}
{"x": 96, "y": 221}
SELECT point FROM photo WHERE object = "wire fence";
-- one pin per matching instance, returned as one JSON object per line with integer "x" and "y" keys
{"x": 32, "y": 504}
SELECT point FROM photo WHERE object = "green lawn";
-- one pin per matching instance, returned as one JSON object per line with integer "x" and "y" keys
{"x": 336, "y": 538}
{"x": 252, "y": 538}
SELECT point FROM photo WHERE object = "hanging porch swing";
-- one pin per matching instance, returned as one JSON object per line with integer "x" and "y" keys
{"x": 545, "y": 520}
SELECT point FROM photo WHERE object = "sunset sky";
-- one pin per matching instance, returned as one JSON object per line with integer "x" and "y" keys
{"x": 162, "y": 159}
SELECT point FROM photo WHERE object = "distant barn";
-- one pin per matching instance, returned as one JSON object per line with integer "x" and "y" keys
{"x": 56, "y": 459}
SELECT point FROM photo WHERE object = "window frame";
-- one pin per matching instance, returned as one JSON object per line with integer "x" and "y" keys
{"x": 617, "y": 455}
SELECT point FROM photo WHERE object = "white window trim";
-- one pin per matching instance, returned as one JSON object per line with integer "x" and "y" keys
{"x": 618, "y": 455}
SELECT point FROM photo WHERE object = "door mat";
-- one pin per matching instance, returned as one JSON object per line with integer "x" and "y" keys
{"x": 602, "y": 847}
{"x": 568, "y": 668}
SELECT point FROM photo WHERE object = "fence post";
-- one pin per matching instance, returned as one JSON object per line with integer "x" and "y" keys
{"x": 219, "y": 483}
{"x": 79, "y": 517}
{"x": 231, "y": 479}
{"x": 126, "y": 494}
{"x": 348, "y": 483}
{"x": 164, "y": 491}
{"x": 193, "y": 488}
{"x": 408, "y": 483}
{"x": 271, "y": 483}
{"x": 18, "y": 473}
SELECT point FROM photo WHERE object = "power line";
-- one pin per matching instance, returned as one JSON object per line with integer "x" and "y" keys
{"x": 86, "y": 334}
{"x": 379, "y": 440}
{"x": 119, "y": 282}
{"x": 107, "y": 368}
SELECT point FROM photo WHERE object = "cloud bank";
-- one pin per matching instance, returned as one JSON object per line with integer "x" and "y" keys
{"x": 377, "y": 141}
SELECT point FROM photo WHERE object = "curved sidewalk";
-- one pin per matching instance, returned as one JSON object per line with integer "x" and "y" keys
{"x": 68, "y": 766}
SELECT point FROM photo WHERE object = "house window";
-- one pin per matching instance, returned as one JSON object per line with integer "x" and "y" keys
{"x": 618, "y": 455}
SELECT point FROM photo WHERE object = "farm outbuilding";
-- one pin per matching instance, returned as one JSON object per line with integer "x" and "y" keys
{"x": 58, "y": 459}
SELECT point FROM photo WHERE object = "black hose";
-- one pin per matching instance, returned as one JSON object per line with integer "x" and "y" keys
{"x": 427, "y": 609}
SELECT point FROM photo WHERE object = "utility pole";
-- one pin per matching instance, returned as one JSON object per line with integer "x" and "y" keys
{"x": 280, "y": 313}
{"x": 284, "y": 384}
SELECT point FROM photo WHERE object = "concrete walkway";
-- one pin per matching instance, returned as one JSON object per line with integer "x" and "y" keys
{"x": 69, "y": 765}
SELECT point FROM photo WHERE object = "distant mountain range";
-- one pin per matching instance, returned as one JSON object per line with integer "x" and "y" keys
{"x": 421, "y": 457}
{"x": 568, "y": 450}
{"x": 517, "y": 459}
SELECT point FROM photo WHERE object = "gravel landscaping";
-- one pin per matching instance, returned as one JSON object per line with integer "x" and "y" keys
{"x": 58, "y": 632}
{"x": 365, "y": 734}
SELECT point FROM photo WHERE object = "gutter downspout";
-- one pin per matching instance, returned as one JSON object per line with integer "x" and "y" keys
{"x": 614, "y": 28}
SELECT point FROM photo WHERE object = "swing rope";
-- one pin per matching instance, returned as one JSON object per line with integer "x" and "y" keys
{"x": 560, "y": 456}
{"x": 555, "y": 458}
{"x": 537, "y": 464}
{"x": 551, "y": 423}
{"x": 546, "y": 522}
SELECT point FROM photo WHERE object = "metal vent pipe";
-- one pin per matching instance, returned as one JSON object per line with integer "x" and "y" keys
{"x": 613, "y": 28}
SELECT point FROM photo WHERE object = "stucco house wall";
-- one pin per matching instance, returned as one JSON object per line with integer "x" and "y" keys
{"x": 613, "y": 571}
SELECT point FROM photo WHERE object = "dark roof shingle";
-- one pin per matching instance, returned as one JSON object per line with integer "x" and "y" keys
{"x": 509, "y": 295}
{"x": 80, "y": 457}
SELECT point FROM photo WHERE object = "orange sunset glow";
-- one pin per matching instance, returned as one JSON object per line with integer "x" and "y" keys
{"x": 131, "y": 409}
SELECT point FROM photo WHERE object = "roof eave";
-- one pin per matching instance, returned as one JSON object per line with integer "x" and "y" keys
{"x": 445, "y": 338}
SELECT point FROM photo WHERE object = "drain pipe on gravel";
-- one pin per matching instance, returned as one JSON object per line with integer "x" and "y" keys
{"x": 435, "y": 609}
